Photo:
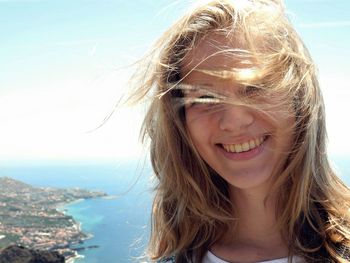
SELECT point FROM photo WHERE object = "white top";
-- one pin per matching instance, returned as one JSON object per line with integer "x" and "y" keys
{"x": 209, "y": 257}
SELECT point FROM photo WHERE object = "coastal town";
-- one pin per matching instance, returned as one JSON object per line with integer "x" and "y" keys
{"x": 31, "y": 217}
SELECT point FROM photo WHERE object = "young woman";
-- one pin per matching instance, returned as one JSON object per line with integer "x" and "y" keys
{"x": 237, "y": 139}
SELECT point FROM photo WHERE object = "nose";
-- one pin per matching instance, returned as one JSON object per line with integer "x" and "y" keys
{"x": 235, "y": 118}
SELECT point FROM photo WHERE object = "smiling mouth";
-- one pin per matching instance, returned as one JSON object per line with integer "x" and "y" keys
{"x": 245, "y": 146}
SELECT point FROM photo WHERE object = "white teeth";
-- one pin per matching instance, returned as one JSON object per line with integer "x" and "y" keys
{"x": 257, "y": 142}
{"x": 251, "y": 144}
{"x": 243, "y": 147}
{"x": 238, "y": 148}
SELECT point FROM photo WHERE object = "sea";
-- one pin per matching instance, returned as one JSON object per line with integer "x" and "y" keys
{"x": 119, "y": 225}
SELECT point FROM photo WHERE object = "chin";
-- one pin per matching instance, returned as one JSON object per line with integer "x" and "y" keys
{"x": 245, "y": 180}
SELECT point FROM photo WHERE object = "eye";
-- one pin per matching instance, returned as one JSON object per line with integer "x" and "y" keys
{"x": 250, "y": 91}
{"x": 204, "y": 99}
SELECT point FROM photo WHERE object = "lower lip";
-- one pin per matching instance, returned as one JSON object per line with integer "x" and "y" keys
{"x": 244, "y": 155}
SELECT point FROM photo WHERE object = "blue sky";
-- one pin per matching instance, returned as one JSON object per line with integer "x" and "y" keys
{"x": 65, "y": 63}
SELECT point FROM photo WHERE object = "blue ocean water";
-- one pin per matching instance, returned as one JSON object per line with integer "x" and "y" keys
{"x": 120, "y": 226}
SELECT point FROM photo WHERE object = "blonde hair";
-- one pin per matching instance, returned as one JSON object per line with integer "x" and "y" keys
{"x": 191, "y": 208}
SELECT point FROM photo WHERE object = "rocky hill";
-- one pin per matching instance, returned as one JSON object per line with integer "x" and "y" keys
{"x": 19, "y": 254}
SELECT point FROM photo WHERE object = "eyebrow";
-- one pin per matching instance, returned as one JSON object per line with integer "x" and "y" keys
{"x": 220, "y": 73}
{"x": 205, "y": 87}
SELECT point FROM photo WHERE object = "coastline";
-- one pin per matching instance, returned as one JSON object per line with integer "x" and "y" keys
{"x": 74, "y": 258}
{"x": 61, "y": 207}
{"x": 51, "y": 224}
{"x": 117, "y": 222}
{"x": 71, "y": 250}
{"x": 78, "y": 225}
{"x": 77, "y": 245}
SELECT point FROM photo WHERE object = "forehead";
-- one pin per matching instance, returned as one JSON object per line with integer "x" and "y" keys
{"x": 221, "y": 62}
{"x": 216, "y": 52}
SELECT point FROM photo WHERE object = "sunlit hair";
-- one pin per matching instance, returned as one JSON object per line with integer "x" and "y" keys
{"x": 191, "y": 208}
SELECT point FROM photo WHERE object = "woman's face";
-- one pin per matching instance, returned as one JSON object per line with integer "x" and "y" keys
{"x": 243, "y": 145}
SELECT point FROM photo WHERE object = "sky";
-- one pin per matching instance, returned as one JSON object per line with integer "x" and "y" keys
{"x": 65, "y": 64}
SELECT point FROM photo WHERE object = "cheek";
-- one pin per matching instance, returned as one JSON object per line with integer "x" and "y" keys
{"x": 289, "y": 134}
{"x": 285, "y": 120}
{"x": 285, "y": 126}
{"x": 200, "y": 130}
{"x": 280, "y": 117}
{"x": 195, "y": 130}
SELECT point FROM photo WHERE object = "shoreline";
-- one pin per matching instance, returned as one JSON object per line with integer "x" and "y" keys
{"x": 74, "y": 258}
{"x": 78, "y": 225}
{"x": 62, "y": 208}
{"x": 52, "y": 224}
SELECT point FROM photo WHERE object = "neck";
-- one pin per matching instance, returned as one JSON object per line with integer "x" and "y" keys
{"x": 256, "y": 213}
{"x": 255, "y": 236}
